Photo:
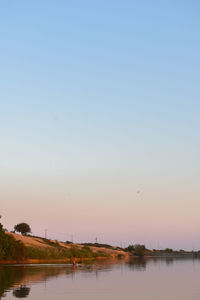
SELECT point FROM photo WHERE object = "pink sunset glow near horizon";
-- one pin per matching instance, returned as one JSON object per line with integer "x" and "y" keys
{"x": 109, "y": 207}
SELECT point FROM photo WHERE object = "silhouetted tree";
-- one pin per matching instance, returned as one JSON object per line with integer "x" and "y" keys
{"x": 137, "y": 250}
{"x": 168, "y": 250}
{"x": 23, "y": 228}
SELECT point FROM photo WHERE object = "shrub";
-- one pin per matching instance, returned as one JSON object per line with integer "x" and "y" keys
{"x": 10, "y": 249}
{"x": 137, "y": 250}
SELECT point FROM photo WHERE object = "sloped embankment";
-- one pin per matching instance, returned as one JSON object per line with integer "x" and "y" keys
{"x": 44, "y": 249}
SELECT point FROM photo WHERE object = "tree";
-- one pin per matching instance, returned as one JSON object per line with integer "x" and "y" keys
{"x": 137, "y": 250}
{"x": 23, "y": 228}
{"x": 168, "y": 250}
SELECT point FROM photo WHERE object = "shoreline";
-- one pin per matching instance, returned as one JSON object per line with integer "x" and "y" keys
{"x": 54, "y": 261}
{"x": 80, "y": 260}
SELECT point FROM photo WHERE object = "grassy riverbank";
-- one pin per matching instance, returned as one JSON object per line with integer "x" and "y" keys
{"x": 15, "y": 248}
{"x": 37, "y": 249}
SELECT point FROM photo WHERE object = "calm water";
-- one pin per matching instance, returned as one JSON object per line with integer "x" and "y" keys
{"x": 174, "y": 279}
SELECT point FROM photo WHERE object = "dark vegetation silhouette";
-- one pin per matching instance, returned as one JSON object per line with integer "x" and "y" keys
{"x": 23, "y": 228}
{"x": 136, "y": 250}
{"x": 10, "y": 249}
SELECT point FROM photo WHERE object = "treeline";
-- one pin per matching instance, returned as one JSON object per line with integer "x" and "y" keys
{"x": 141, "y": 251}
{"x": 136, "y": 250}
{"x": 10, "y": 249}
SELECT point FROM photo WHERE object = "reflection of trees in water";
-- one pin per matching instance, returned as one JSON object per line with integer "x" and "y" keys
{"x": 11, "y": 276}
{"x": 8, "y": 277}
{"x": 169, "y": 261}
{"x": 143, "y": 264}
{"x": 21, "y": 292}
{"x": 20, "y": 276}
{"x": 138, "y": 264}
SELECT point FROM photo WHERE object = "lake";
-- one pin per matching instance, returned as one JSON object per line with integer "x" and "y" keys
{"x": 152, "y": 279}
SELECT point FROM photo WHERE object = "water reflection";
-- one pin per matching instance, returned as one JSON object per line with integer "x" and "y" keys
{"x": 138, "y": 264}
{"x": 169, "y": 261}
{"x": 18, "y": 277}
{"x": 8, "y": 277}
{"x": 112, "y": 276}
{"x": 21, "y": 292}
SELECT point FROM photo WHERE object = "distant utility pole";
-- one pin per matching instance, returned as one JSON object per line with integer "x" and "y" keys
{"x": 121, "y": 245}
{"x": 72, "y": 238}
{"x": 45, "y": 233}
{"x": 158, "y": 246}
{"x": 96, "y": 240}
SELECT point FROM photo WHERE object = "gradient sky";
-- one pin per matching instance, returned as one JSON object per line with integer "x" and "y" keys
{"x": 100, "y": 120}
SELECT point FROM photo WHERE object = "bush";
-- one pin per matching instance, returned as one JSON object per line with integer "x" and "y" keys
{"x": 168, "y": 250}
{"x": 10, "y": 249}
{"x": 137, "y": 250}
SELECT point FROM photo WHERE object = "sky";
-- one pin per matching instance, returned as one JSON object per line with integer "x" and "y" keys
{"x": 99, "y": 120}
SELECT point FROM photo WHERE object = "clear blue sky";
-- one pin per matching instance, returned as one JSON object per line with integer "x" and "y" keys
{"x": 99, "y": 100}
